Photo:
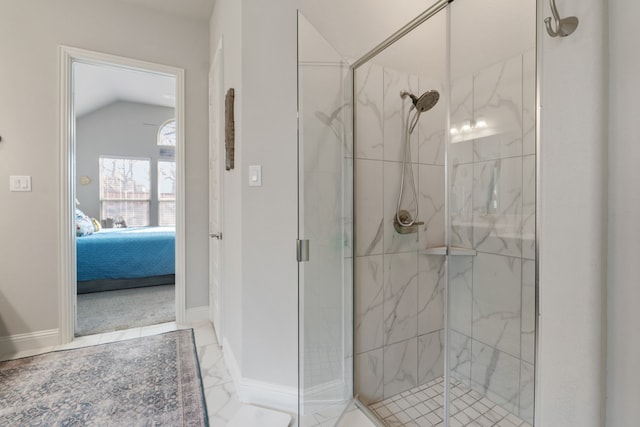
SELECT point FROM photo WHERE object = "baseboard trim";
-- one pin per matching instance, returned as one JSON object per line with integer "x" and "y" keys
{"x": 260, "y": 393}
{"x": 30, "y": 341}
{"x": 231, "y": 361}
{"x": 197, "y": 314}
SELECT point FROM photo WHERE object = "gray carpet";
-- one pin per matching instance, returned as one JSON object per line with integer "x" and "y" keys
{"x": 150, "y": 381}
{"x": 123, "y": 309}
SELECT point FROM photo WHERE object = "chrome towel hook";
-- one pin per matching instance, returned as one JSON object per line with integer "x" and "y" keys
{"x": 564, "y": 26}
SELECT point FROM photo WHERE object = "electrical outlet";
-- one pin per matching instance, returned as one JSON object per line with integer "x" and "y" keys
{"x": 19, "y": 183}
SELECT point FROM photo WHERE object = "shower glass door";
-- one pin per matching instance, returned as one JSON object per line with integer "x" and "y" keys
{"x": 491, "y": 212}
{"x": 325, "y": 218}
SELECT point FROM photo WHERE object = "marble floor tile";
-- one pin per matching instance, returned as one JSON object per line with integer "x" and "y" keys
{"x": 158, "y": 329}
{"x": 122, "y": 335}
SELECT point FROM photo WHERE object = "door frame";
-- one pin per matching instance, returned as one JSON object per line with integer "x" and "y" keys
{"x": 216, "y": 154}
{"x": 66, "y": 224}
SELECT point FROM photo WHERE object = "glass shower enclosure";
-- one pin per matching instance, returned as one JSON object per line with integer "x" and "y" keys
{"x": 418, "y": 299}
{"x": 325, "y": 229}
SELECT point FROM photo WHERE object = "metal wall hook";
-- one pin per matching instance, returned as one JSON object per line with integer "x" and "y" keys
{"x": 564, "y": 26}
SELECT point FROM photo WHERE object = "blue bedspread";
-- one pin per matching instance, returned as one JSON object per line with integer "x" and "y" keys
{"x": 122, "y": 253}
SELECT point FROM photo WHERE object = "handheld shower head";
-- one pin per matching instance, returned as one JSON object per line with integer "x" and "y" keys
{"x": 425, "y": 102}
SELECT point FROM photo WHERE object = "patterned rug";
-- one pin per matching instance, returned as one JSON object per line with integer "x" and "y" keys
{"x": 150, "y": 381}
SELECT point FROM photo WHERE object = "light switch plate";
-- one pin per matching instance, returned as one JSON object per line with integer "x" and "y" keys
{"x": 255, "y": 176}
{"x": 19, "y": 183}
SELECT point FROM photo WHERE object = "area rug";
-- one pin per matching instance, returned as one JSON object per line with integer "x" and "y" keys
{"x": 124, "y": 309}
{"x": 150, "y": 381}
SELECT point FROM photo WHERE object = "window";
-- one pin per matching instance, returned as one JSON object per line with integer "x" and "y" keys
{"x": 125, "y": 189}
{"x": 166, "y": 193}
{"x": 167, "y": 133}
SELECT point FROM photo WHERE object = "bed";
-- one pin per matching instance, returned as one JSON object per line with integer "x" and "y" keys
{"x": 123, "y": 258}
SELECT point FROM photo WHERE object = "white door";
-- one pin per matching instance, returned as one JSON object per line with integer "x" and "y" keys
{"x": 216, "y": 160}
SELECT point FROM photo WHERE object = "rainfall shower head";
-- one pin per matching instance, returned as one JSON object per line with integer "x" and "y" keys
{"x": 426, "y": 101}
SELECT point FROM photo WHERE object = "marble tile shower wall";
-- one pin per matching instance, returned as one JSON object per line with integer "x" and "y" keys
{"x": 398, "y": 293}
{"x": 492, "y": 295}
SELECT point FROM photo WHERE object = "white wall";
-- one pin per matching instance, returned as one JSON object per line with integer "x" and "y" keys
{"x": 623, "y": 292}
{"x": 270, "y": 213}
{"x": 260, "y": 224}
{"x": 30, "y": 33}
{"x": 573, "y": 220}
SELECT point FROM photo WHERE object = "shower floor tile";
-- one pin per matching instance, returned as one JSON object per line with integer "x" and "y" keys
{"x": 422, "y": 406}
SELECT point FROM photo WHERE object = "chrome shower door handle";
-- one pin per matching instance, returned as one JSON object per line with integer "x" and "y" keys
{"x": 216, "y": 236}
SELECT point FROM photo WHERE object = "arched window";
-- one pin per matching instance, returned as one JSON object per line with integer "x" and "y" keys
{"x": 167, "y": 133}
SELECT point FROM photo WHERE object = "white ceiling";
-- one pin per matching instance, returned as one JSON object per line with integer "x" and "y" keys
{"x": 96, "y": 86}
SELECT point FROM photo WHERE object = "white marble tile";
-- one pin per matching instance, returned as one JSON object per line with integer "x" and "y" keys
{"x": 348, "y": 313}
{"x": 249, "y": 415}
{"x": 461, "y": 294}
{"x": 529, "y": 207}
{"x": 205, "y": 335}
{"x": 528, "y": 311}
{"x": 369, "y": 120}
{"x": 529, "y": 102}
{"x": 527, "y": 380}
{"x": 158, "y": 329}
{"x": 431, "y": 190}
{"x": 431, "y": 271}
{"x": 212, "y": 366}
{"x": 461, "y": 205}
{"x": 114, "y": 336}
{"x": 327, "y": 416}
{"x": 400, "y": 297}
{"x": 497, "y": 301}
{"x": 324, "y": 113}
{"x": 497, "y": 99}
{"x": 461, "y": 150}
{"x": 393, "y": 241}
{"x": 368, "y": 379}
{"x": 431, "y": 126}
{"x": 497, "y": 206}
{"x": 430, "y": 356}
{"x": 396, "y": 111}
{"x": 495, "y": 375}
{"x": 369, "y": 303}
{"x": 369, "y": 207}
{"x": 400, "y": 367}
{"x": 222, "y": 404}
{"x": 347, "y": 206}
{"x": 355, "y": 418}
{"x": 460, "y": 357}
{"x": 78, "y": 342}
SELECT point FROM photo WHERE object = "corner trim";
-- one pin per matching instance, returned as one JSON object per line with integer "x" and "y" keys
{"x": 274, "y": 396}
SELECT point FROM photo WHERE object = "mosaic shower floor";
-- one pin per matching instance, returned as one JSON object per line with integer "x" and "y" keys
{"x": 423, "y": 406}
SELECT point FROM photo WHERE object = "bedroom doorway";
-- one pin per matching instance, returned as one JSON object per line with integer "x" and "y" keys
{"x": 122, "y": 140}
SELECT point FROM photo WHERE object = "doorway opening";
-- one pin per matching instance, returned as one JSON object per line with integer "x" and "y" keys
{"x": 123, "y": 178}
